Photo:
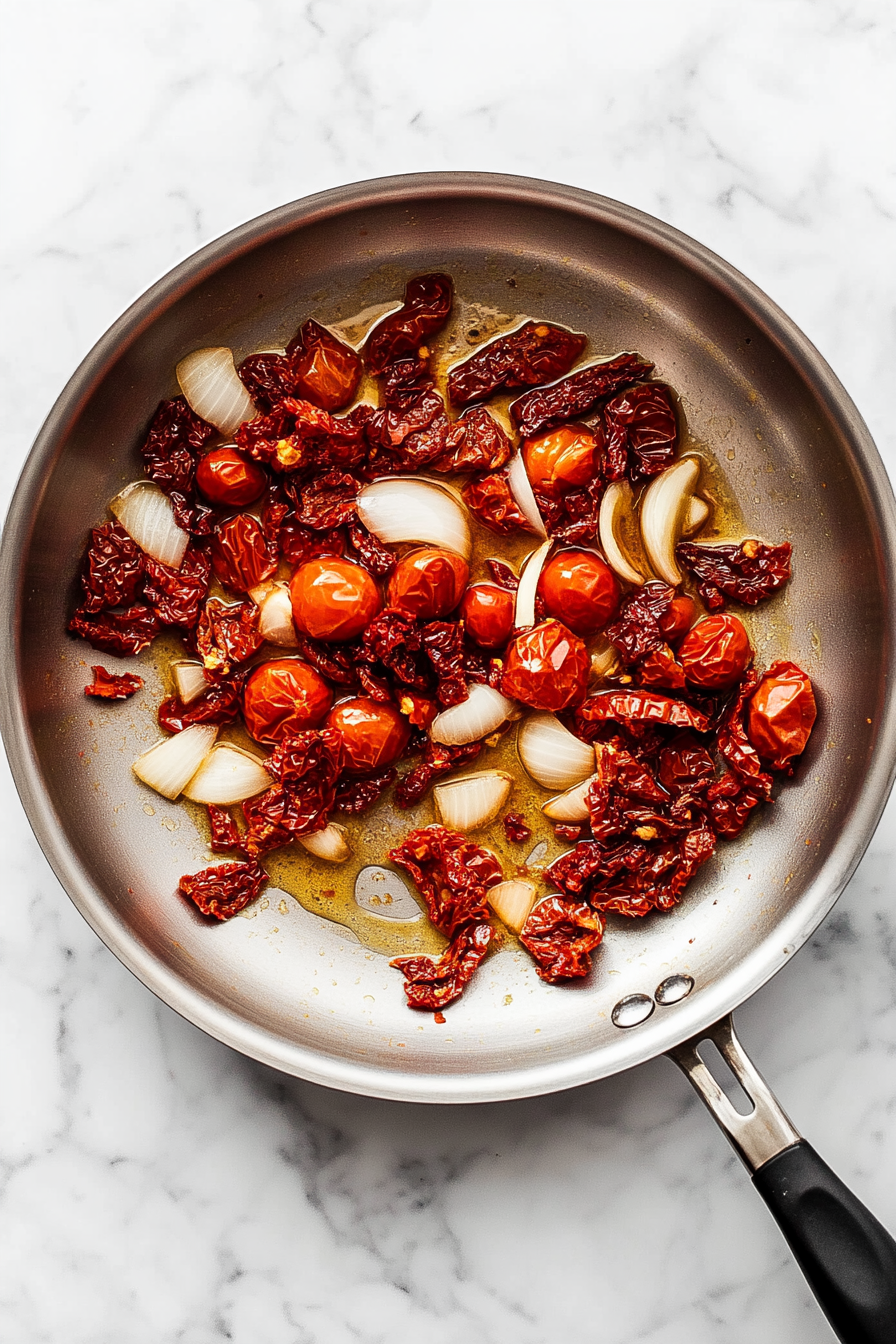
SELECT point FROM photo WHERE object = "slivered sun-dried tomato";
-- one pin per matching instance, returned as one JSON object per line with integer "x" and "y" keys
{"x": 175, "y": 436}
{"x": 452, "y": 875}
{"x": 117, "y": 632}
{"x": 225, "y": 834}
{"x": 227, "y": 633}
{"x": 503, "y": 575}
{"x": 536, "y": 353}
{"x": 108, "y": 686}
{"x": 641, "y": 707}
{"x": 475, "y": 442}
{"x": 641, "y": 432}
{"x": 491, "y": 500}
{"x": 328, "y": 501}
{"x": 356, "y": 794}
{"x": 410, "y": 404}
{"x": 113, "y": 569}
{"x": 269, "y": 379}
{"x": 433, "y": 984}
{"x": 443, "y": 644}
{"x": 307, "y": 768}
{"x": 576, "y": 395}
{"x": 297, "y": 434}
{"x": 427, "y": 303}
{"x": 637, "y": 630}
{"x": 748, "y": 573}
{"x": 178, "y": 594}
{"x": 371, "y": 552}
{"x": 515, "y": 829}
{"x": 241, "y": 554}
{"x": 561, "y": 935}
{"x": 224, "y": 889}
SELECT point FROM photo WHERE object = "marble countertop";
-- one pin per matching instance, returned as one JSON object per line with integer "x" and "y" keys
{"x": 157, "y": 1186}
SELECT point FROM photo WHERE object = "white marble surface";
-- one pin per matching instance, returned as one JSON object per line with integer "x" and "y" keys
{"x": 156, "y": 1186}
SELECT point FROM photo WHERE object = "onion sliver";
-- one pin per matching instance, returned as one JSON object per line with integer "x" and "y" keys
{"x": 275, "y": 622}
{"x": 170, "y": 765}
{"x": 663, "y": 512}
{"x": 228, "y": 775}
{"x": 512, "y": 901}
{"x": 696, "y": 516}
{"x": 409, "y": 510}
{"x": 551, "y": 754}
{"x": 571, "y": 805}
{"x": 484, "y": 710}
{"x": 524, "y": 610}
{"x": 145, "y": 513}
{"x": 604, "y": 659}
{"x": 472, "y": 801}
{"x": 214, "y": 390}
{"x": 521, "y": 489}
{"x": 329, "y": 844}
{"x": 190, "y": 680}
{"x": 617, "y": 510}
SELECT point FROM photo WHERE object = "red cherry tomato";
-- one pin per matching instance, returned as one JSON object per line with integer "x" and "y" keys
{"x": 428, "y": 583}
{"x": 333, "y": 599}
{"x": 240, "y": 555}
{"x": 580, "y": 589}
{"x": 326, "y": 370}
{"x": 716, "y": 653}
{"x": 547, "y": 667}
{"x": 373, "y": 734}
{"x": 561, "y": 458}
{"x": 284, "y": 697}
{"x": 226, "y": 477}
{"x": 679, "y": 618}
{"x": 487, "y": 612}
{"x": 781, "y": 714}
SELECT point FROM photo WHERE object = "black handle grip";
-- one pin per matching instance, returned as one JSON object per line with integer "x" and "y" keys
{"x": 848, "y": 1258}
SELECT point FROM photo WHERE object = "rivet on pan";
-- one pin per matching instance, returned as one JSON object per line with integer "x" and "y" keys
{"x": 632, "y": 1010}
{"x": 673, "y": 989}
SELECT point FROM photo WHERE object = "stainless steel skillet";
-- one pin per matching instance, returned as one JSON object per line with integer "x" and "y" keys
{"x": 296, "y": 991}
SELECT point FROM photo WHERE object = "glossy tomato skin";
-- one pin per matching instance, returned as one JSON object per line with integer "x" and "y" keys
{"x": 781, "y": 714}
{"x": 333, "y": 599}
{"x": 547, "y": 668}
{"x": 487, "y": 612}
{"x": 326, "y": 370}
{"x": 428, "y": 583}
{"x": 373, "y": 734}
{"x": 679, "y": 618}
{"x": 227, "y": 478}
{"x": 580, "y": 589}
{"x": 240, "y": 554}
{"x": 560, "y": 459}
{"x": 284, "y": 697}
{"x": 716, "y": 652}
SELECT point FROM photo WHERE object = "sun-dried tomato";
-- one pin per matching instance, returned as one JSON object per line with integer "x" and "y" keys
{"x": 503, "y": 575}
{"x": 684, "y": 766}
{"x": 636, "y": 631}
{"x": 536, "y": 353}
{"x": 561, "y": 935}
{"x": 781, "y": 715}
{"x": 113, "y": 569}
{"x": 641, "y": 432}
{"x": 328, "y": 501}
{"x": 410, "y": 405}
{"x": 567, "y": 830}
{"x": 491, "y": 500}
{"x": 108, "y": 686}
{"x": 224, "y": 889}
{"x": 452, "y": 875}
{"x": 575, "y": 516}
{"x": 443, "y": 644}
{"x": 736, "y": 747}
{"x": 326, "y": 370}
{"x": 437, "y": 760}
{"x": 227, "y": 633}
{"x": 307, "y": 768}
{"x": 660, "y": 668}
{"x": 730, "y": 801}
{"x": 219, "y": 704}
{"x": 475, "y": 442}
{"x": 197, "y": 519}
{"x": 269, "y": 379}
{"x": 298, "y": 434}
{"x": 395, "y": 641}
{"x": 178, "y": 594}
{"x": 748, "y": 572}
{"x": 634, "y": 877}
{"x": 546, "y": 667}
{"x": 337, "y": 663}
{"x": 515, "y": 829}
{"x": 371, "y": 552}
{"x": 356, "y": 794}
{"x": 433, "y": 984}
{"x": 225, "y": 834}
{"x": 418, "y": 709}
{"x": 576, "y": 395}
{"x": 641, "y": 707}
{"x": 174, "y": 438}
{"x": 228, "y": 479}
{"x": 427, "y": 303}
{"x": 117, "y": 632}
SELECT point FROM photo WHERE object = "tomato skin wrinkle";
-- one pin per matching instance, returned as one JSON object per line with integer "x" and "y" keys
{"x": 575, "y": 395}
{"x": 427, "y": 304}
{"x": 241, "y": 555}
{"x": 535, "y": 353}
{"x": 333, "y": 599}
{"x": 491, "y": 500}
{"x": 326, "y": 370}
{"x": 641, "y": 432}
{"x": 748, "y": 572}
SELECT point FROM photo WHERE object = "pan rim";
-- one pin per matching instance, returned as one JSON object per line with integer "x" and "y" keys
{"x": 690, "y": 1017}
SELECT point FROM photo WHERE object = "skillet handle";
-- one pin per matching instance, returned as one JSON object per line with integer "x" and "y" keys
{"x": 848, "y": 1258}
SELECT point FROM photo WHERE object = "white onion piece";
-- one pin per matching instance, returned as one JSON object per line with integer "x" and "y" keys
{"x": 228, "y": 775}
{"x": 571, "y": 805}
{"x": 171, "y": 764}
{"x": 604, "y": 659}
{"x": 189, "y": 680}
{"x": 663, "y": 511}
{"x": 261, "y": 590}
{"x": 484, "y": 710}
{"x": 512, "y": 901}
{"x": 521, "y": 489}
{"x": 472, "y": 801}
{"x": 275, "y": 621}
{"x": 524, "y": 608}
{"x": 551, "y": 755}
{"x": 696, "y": 516}
{"x": 214, "y": 389}
{"x": 617, "y": 508}
{"x": 145, "y": 513}
{"x": 415, "y": 510}
{"x": 329, "y": 844}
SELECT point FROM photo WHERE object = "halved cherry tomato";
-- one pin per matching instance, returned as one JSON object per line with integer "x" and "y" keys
{"x": 373, "y": 734}
{"x": 580, "y": 589}
{"x": 781, "y": 714}
{"x": 226, "y": 477}
{"x": 716, "y": 652}
{"x": 679, "y": 618}
{"x": 284, "y": 697}
{"x": 428, "y": 583}
{"x": 547, "y": 667}
{"x": 487, "y": 612}
{"x": 333, "y": 599}
{"x": 327, "y": 371}
{"x": 240, "y": 555}
{"x": 561, "y": 458}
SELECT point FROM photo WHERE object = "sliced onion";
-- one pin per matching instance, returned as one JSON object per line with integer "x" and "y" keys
{"x": 617, "y": 516}
{"x": 604, "y": 659}
{"x": 551, "y": 755}
{"x": 521, "y": 489}
{"x": 145, "y": 513}
{"x": 696, "y": 516}
{"x": 214, "y": 389}
{"x": 329, "y": 844}
{"x": 170, "y": 765}
{"x": 484, "y": 710}
{"x": 663, "y": 512}
{"x": 228, "y": 775}
{"x": 275, "y": 621}
{"x": 571, "y": 805}
{"x": 189, "y": 679}
{"x": 524, "y": 609}
{"x": 261, "y": 590}
{"x": 474, "y": 800}
{"x": 409, "y": 510}
{"x": 512, "y": 901}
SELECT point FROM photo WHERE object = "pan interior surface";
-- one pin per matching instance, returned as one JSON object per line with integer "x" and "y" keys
{"x": 782, "y": 439}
